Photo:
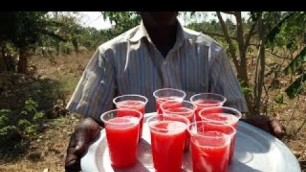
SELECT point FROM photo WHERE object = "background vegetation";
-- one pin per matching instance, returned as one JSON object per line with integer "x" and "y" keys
{"x": 43, "y": 55}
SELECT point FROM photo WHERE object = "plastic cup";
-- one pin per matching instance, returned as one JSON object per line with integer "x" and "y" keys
{"x": 209, "y": 147}
{"x": 168, "y": 134}
{"x": 122, "y": 135}
{"x": 166, "y": 94}
{"x": 203, "y": 100}
{"x": 132, "y": 101}
{"x": 226, "y": 115}
{"x": 185, "y": 109}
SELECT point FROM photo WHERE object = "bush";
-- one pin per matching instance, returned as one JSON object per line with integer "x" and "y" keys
{"x": 19, "y": 129}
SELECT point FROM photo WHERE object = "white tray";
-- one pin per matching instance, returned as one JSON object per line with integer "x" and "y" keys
{"x": 255, "y": 151}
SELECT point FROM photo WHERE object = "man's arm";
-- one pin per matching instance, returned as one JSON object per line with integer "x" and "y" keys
{"x": 91, "y": 98}
{"x": 96, "y": 88}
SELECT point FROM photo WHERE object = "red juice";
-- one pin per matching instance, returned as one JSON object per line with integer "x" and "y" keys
{"x": 132, "y": 104}
{"x": 161, "y": 100}
{"x": 183, "y": 111}
{"x": 122, "y": 138}
{"x": 204, "y": 103}
{"x": 226, "y": 119}
{"x": 209, "y": 153}
{"x": 167, "y": 142}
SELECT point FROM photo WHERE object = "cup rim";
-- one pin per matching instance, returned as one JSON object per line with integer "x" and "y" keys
{"x": 136, "y": 95}
{"x": 223, "y": 124}
{"x": 215, "y": 94}
{"x": 237, "y": 114}
{"x": 227, "y": 137}
{"x": 121, "y": 109}
{"x": 184, "y": 101}
{"x": 168, "y": 88}
{"x": 165, "y": 130}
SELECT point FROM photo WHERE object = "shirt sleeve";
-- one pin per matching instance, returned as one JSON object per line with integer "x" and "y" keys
{"x": 223, "y": 81}
{"x": 96, "y": 88}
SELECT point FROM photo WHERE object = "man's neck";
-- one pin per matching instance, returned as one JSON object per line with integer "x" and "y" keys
{"x": 164, "y": 38}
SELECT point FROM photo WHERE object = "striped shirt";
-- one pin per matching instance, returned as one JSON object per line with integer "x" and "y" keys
{"x": 131, "y": 64}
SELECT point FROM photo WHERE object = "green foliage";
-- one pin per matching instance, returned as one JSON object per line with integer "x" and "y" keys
{"x": 277, "y": 28}
{"x": 279, "y": 98}
{"x": 246, "y": 90}
{"x": 297, "y": 87}
{"x": 122, "y": 20}
{"x": 25, "y": 104}
{"x": 17, "y": 88}
{"x": 286, "y": 30}
{"x": 76, "y": 38}
{"x": 23, "y": 29}
{"x": 283, "y": 31}
{"x": 289, "y": 33}
{"x": 21, "y": 127}
{"x": 296, "y": 63}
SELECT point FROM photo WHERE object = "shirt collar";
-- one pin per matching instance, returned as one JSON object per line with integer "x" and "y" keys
{"x": 142, "y": 32}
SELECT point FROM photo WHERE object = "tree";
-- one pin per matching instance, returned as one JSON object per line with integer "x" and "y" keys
{"x": 266, "y": 26}
{"x": 291, "y": 33}
{"x": 262, "y": 32}
{"x": 23, "y": 30}
{"x": 122, "y": 20}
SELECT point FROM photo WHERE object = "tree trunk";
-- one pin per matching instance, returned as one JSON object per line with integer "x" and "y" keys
{"x": 23, "y": 61}
{"x": 260, "y": 68}
{"x": 241, "y": 61}
{"x": 2, "y": 61}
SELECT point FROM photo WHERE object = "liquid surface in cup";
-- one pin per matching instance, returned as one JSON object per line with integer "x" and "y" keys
{"x": 209, "y": 153}
{"x": 122, "y": 153}
{"x": 132, "y": 104}
{"x": 183, "y": 111}
{"x": 167, "y": 140}
{"x": 223, "y": 117}
{"x": 161, "y": 100}
{"x": 202, "y": 103}
{"x": 229, "y": 119}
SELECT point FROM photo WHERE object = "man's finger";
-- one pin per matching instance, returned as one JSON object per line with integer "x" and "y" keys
{"x": 72, "y": 164}
{"x": 75, "y": 149}
{"x": 278, "y": 129}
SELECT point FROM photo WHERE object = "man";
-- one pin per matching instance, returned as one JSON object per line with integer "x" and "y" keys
{"x": 156, "y": 54}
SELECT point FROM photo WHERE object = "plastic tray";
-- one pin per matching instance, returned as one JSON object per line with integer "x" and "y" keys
{"x": 255, "y": 151}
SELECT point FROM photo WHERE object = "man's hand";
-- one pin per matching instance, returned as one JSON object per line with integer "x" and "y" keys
{"x": 83, "y": 135}
{"x": 267, "y": 123}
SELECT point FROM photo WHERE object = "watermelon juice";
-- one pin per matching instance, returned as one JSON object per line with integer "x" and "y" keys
{"x": 186, "y": 109}
{"x": 117, "y": 128}
{"x": 175, "y": 102}
{"x": 204, "y": 104}
{"x": 132, "y": 104}
{"x": 227, "y": 116}
{"x": 167, "y": 143}
{"x": 209, "y": 151}
{"x": 122, "y": 153}
{"x": 227, "y": 119}
{"x": 203, "y": 100}
{"x": 166, "y": 94}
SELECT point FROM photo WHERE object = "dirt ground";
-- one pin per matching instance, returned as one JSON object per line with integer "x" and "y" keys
{"x": 47, "y": 153}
